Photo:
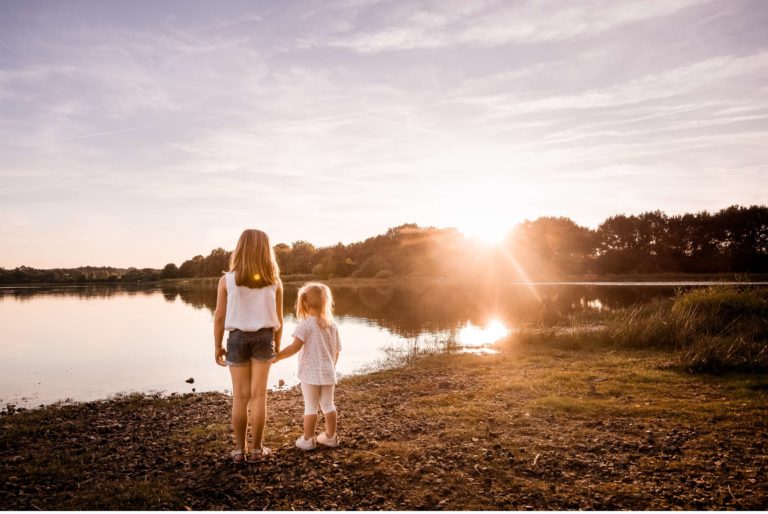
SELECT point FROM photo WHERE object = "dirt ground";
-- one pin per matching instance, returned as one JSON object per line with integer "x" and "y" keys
{"x": 529, "y": 428}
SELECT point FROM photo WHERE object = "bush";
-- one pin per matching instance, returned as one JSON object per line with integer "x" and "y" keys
{"x": 321, "y": 270}
{"x": 718, "y": 354}
{"x": 371, "y": 266}
{"x": 724, "y": 309}
{"x": 715, "y": 329}
{"x": 652, "y": 325}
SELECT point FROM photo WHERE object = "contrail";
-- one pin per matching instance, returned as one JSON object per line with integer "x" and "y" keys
{"x": 414, "y": 127}
{"x": 118, "y": 131}
{"x": 140, "y": 127}
{"x": 328, "y": 118}
{"x": 325, "y": 118}
{"x": 373, "y": 116}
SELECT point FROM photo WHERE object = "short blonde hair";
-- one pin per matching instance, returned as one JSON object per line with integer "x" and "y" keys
{"x": 314, "y": 295}
{"x": 253, "y": 260}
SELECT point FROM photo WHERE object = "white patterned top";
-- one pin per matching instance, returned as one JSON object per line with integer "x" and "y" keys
{"x": 317, "y": 355}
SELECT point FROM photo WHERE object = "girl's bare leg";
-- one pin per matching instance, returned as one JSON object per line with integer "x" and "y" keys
{"x": 310, "y": 421}
{"x": 241, "y": 393}
{"x": 258, "y": 391}
{"x": 330, "y": 423}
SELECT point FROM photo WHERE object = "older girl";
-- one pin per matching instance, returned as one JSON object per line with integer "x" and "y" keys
{"x": 249, "y": 304}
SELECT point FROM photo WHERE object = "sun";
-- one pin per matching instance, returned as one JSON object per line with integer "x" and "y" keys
{"x": 488, "y": 233}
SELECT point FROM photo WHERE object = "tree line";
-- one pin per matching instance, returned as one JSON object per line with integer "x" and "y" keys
{"x": 732, "y": 240}
{"x": 81, "y": 275}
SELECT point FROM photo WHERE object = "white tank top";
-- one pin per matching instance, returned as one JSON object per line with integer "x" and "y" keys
{"x": 250, "y": 309}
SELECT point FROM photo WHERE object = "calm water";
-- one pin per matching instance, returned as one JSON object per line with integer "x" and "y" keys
{"x": 90, "y": 342}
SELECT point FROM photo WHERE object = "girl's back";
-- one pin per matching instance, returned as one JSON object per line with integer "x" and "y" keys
{"x": 250, "y": 309}
{"x": 317, "y": 357}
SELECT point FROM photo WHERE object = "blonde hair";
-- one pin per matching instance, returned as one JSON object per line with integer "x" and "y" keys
{"x": 253, "y": 260}
{"x": 314, "y": 295}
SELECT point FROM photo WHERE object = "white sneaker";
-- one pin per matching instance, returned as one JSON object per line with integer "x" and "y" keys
{"x": 323, "y": 439}
{"x": 306, "y": 444}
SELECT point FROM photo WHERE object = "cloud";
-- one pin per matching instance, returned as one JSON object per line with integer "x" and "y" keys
{"x": 15, "y": 81}
{"x": 305, "y": 119}
{"x": 536, "y": 21}
{"x": 482, "y": 24}
{"x": 665, "y": 84}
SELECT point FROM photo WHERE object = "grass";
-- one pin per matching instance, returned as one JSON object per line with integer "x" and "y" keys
{"x": 717, "y": 328}
{"x": 534, "y": 426}
{"x": 721, "y": 328}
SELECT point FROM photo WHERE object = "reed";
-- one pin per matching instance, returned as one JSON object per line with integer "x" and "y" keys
{"x": 714, "y": 329}
{"x": 718, "y": 328}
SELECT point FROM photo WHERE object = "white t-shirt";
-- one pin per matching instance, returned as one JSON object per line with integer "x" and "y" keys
{"x": 317, "y": 356}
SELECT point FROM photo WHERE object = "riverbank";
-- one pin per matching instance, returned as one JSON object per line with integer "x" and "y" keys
{"x": 532, "y": 427}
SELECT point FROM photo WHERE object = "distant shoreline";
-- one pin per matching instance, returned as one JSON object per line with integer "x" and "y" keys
{"x": 395, "y": 281}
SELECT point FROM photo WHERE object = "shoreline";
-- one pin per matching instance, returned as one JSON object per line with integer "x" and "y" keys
{"x": 532, "y": 427}
{"x": 590, "y": 279}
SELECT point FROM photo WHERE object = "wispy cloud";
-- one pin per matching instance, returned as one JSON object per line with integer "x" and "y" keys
{"x": 328, "y": 121}
{"x": 665, "y": 84}
{"x": 486, "y": 24}
{"x": 143, "y": 127}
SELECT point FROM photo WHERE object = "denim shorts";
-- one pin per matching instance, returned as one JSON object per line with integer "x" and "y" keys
{"x": 244, "y": 346}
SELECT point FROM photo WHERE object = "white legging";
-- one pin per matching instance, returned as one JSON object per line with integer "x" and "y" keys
{"x": 317, "y": 394}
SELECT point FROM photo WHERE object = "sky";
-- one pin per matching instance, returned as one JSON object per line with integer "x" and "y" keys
{"x": 146, "y": 132}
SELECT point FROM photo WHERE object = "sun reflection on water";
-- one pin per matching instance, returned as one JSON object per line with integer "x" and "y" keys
{"x": 473, "y": 335}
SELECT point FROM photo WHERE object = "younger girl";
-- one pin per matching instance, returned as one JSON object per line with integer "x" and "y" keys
{"x": 249, "y": 304}
{"x": 317, "y": 336}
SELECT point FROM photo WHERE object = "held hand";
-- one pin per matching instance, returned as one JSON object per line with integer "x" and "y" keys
{"x": 219, "y": 356}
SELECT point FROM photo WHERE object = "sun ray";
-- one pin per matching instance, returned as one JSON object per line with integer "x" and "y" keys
{"x": 510, "y": 258}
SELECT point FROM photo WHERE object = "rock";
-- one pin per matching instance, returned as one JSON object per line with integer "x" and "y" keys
{"x": 190, "y": 380}
{"x": 281, "y": 383}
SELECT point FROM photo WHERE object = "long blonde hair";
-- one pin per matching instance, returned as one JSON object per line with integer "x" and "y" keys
{"x": 314, "y": 295}
{"x": 253, "y": 260}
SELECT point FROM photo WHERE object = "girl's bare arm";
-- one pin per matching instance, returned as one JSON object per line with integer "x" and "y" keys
{"x": 218, "y": 322}
{"x": 290, "y": 350}
{"x": 338, "y": 347}
{"x": 279, "y": 307}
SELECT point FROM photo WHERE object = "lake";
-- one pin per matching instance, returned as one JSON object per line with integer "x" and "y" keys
{"x": 89, "y": 342}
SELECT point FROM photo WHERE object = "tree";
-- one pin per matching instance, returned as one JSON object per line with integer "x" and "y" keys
{"x": 301, "y": 257}
{"x": 169, "y": 271}
{"x": 192, "y": 268}
{"x": 216, "y": 263}
{"x": 372, "y": 265}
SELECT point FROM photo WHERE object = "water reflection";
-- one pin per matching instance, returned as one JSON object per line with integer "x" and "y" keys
{"x": 595, "y": 304}
{"x": 155, "y": 336}
{"x": 406, "y": 311}
{"x": 473, "y": 335}
{"x": 415, "y": 311}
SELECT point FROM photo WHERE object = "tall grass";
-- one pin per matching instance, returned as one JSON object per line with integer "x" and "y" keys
{"x": 717, "y": 328}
